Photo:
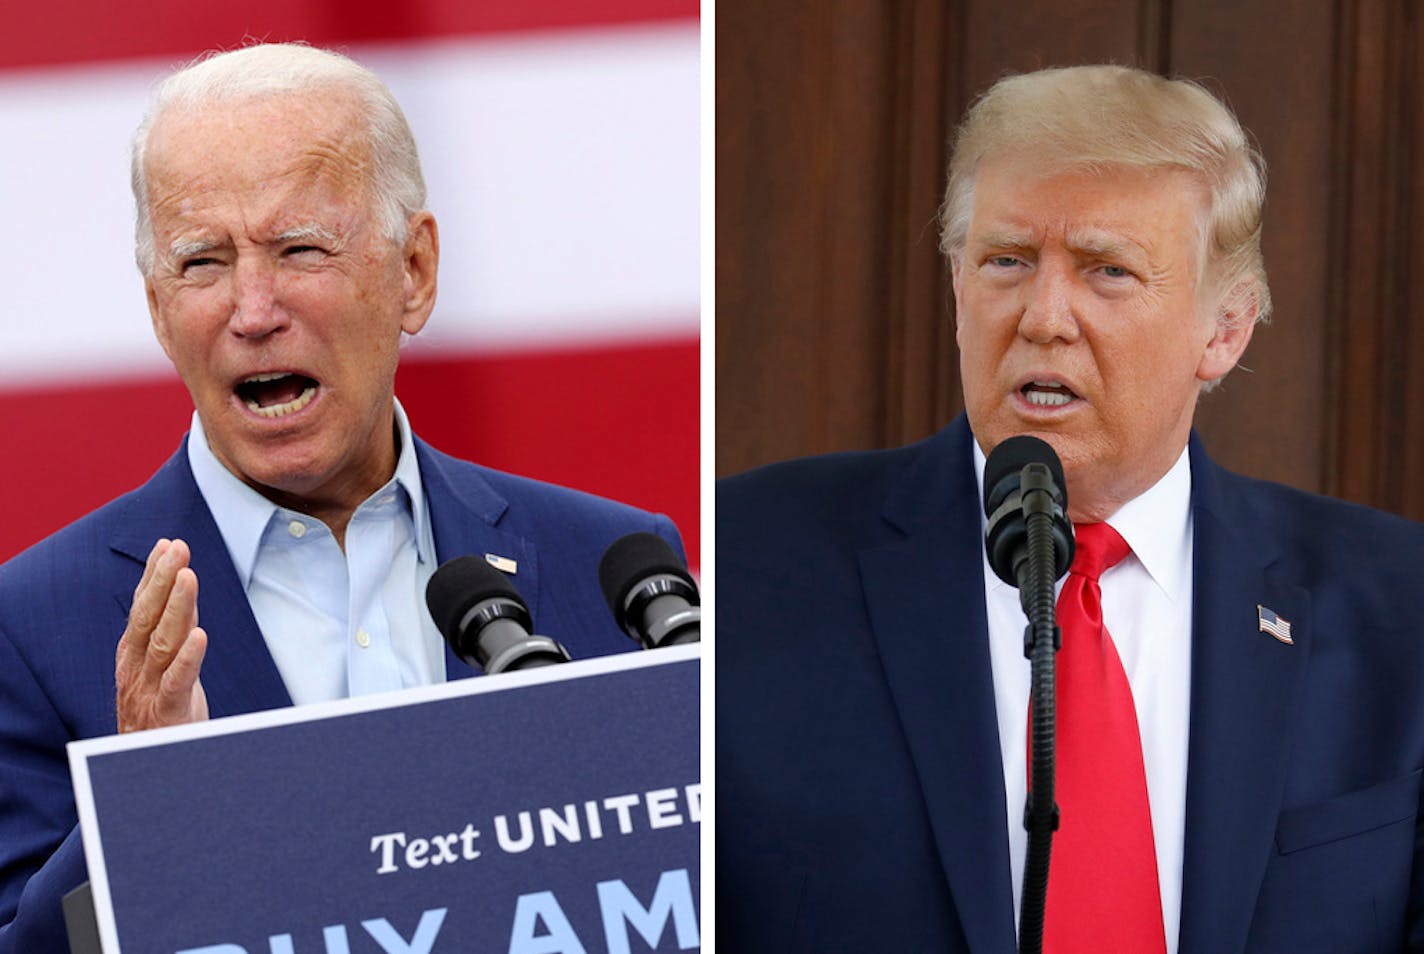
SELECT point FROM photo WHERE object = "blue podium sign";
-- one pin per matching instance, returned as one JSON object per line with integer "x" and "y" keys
{"x": 549, "y": 811}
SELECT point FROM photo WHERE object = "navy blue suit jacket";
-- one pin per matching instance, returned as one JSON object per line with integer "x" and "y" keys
{"x": 64, "y": 603}
{"x": 860, "y": 796}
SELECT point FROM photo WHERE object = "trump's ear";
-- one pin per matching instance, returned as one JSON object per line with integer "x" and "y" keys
{"x": 956, "y": 271}
{"x": 420, "y": 263}
{"x": 1235, "y": 321}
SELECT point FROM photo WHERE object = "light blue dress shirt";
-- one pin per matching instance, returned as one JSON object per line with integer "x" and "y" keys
{"x": 337, "y": 624}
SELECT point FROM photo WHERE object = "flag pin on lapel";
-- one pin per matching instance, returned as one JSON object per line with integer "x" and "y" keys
{"x": 505, "y": 565}
{"x": 1269, "y": 622}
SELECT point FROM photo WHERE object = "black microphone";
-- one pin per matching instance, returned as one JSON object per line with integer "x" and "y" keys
{"x": 1023, "y": 475}
{"x": 1029, "y": 542}
{"x": 650, "y": 592}
{"x": 485, "y": 620}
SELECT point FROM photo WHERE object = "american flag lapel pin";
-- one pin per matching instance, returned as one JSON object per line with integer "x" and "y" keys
{"x": 1269, "y": 622}
{"x": 506, "y": 565}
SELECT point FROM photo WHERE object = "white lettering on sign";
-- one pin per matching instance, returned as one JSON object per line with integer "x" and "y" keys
{"x": 446, "y": 849}
{"x": 547, "y": 826}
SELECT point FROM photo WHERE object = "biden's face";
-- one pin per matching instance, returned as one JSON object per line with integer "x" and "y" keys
{"x": 277, "y": 295}
{"x": 1082, "y": 319}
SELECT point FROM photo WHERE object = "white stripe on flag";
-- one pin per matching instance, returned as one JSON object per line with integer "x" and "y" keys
{"x": 563, "y": 170}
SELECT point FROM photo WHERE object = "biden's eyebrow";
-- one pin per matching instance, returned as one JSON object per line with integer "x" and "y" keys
{"x": 187, "y": 248}
{"x": 306, "y": 233}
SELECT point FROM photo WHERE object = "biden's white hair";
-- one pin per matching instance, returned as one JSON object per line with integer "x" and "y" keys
{"x": 267, "y": 69}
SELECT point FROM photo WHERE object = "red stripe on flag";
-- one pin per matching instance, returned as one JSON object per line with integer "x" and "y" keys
{"x": 74, "y": 31}
{"x": 617, "y": 421}
{"x": 621, "y": 422}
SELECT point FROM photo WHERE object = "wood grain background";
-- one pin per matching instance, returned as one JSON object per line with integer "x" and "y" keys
{"x": 834, "y": 321}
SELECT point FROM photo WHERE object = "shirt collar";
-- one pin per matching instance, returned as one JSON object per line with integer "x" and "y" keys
{"x": 1156, "y": 524}
{"x": 242, "y": 514}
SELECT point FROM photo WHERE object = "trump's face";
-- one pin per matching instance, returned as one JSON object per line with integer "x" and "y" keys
{"x": 1083, "y": 319}
{"x": 277, "y": 295}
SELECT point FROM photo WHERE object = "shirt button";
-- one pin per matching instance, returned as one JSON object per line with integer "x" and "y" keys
{"x": 363, "y": 638}
{"x": 297, "y": 529}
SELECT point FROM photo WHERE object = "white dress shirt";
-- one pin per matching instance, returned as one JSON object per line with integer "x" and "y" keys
{"x": 337, "y": 623}
{"x": 1147, "y": 607}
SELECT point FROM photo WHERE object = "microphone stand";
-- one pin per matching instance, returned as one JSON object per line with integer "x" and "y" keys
{"x": 1042, "y": 637}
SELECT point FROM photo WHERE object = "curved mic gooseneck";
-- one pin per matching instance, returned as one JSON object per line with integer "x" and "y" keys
{"x": 1029, "y": 542}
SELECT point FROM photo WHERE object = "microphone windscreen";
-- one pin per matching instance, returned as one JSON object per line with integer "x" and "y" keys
{"x": 461, "y": 583}
{"x": 632, "y": 559}
{"x": 1007, "y": 461}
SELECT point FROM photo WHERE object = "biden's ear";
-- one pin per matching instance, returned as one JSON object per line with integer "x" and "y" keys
{"x": 420, "y": 262}
{"x": 155, "y": 315}
{"x": 1235, "y": 322}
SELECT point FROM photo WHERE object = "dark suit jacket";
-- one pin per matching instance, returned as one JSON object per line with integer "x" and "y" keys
{"x": 64, "y": 603}
{"x": 860, "y": 797}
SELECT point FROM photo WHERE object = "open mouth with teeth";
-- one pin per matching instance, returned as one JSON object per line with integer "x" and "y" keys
{"x": 1047, "y": 394}
{"x": 277, "y": 394}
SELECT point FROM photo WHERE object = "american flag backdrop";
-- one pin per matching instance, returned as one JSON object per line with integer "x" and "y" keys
{"x": 560, "y": 146}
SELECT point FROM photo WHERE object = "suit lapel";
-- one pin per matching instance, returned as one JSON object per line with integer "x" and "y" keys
{"x": 925, "y": 594}
{"x": 1243, "y": 685}
{"x": 464, "y": 514}
{"x": 238, "y": 672}
{"x": 924, "y": 590}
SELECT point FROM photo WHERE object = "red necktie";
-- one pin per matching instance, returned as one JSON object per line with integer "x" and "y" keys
{"x": 1103, "y": 893}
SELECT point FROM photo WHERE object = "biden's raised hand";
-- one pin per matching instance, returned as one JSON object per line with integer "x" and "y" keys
{"x": 157, "y": 666}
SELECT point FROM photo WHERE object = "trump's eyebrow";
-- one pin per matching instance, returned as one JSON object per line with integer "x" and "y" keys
{"x": 1105, "y": 244}
{"x": 1007, "y": 240}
